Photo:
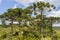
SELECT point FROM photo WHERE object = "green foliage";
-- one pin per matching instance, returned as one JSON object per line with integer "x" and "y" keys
{"x": 19, "y": 19}
{"x": 39, "y": 26}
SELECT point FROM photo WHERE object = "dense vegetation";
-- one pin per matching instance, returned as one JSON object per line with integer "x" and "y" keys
{"x": 37, "y": 27}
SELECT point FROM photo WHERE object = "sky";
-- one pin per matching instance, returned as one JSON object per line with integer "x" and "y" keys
{"x": 6, "y": 4}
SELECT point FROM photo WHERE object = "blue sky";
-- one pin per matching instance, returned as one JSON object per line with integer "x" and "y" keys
{"x": 6, "y": 4}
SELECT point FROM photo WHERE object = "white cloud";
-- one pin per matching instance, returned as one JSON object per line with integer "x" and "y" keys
{"x": 54, "y": 14}
{"x": 15, "y": 6}
{"x": 55, "y": 2}
{"x": 26, "y": 2}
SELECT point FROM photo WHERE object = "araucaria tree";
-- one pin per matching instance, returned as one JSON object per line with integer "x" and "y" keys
{"x": 42, "y": 7}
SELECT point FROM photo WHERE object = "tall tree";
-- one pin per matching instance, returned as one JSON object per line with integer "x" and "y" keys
{"x": 19, "y": 19}
{"x": 11, "y": 16}
{"x": 42, "y": 6}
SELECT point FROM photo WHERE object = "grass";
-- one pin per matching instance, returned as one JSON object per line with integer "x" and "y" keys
{"x": 57, "y": 29}
{"x": 7, "y": 31}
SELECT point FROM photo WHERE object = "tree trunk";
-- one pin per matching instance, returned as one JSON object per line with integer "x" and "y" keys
{"x": 51, "y": 30}
{"x": 42, "y": 26}
{"x": 19, "y": 32}
{"x": 11, "y": 29}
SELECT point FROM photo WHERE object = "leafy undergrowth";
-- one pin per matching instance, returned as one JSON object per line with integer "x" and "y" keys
{"x": 57, "y": 29}
{"x": 27, "y": 33}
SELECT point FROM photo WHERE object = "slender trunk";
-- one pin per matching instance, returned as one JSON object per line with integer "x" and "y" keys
{"x": 5, "y": 25}
{"x": 11, "y": 29}
{"x": 51, "y": 29}
{"x": 19, "y": 32}
{"x": 42, "y": 26}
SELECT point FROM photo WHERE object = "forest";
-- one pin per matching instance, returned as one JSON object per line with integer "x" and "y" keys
{"x": 33, "y": 23}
